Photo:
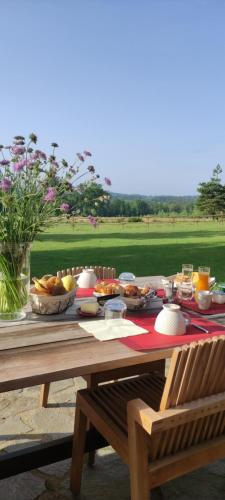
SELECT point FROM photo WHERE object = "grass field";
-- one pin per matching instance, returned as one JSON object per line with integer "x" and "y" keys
{"x": 159, "y": 248}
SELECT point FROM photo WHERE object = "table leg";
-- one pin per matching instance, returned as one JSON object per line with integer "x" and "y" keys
{"x": 44, "y": 395}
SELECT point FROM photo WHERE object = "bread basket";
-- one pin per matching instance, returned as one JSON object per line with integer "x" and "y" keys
{"x": 134, "y": 303}
{"x": 51, "y": 304}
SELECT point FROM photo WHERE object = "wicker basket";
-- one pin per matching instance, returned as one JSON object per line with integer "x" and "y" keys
{"x": 51, "y": 304}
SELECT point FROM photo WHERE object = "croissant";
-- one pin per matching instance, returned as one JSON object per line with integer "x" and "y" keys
{"x": 132, "y": 291}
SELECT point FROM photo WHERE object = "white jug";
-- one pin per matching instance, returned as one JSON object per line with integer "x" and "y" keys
{"x": 87, "y": 279}
{"x": 170, "y": 321}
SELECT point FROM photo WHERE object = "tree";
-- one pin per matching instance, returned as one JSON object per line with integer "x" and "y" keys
{"x": 212, "y": 194}
{"x": 90, "y": 198}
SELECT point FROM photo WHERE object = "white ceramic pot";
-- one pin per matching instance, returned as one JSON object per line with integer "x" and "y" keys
{"x": 218, "y": 297}
{"x": 87, "y": 279}
{"x": 170, "y": 321}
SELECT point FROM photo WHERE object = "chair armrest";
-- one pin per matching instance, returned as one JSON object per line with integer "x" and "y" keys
{"x": 142, "y": 414}
{"x": 153, "y": 421}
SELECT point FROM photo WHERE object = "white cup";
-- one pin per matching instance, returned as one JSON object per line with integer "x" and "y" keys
{"x": 204, "y": 299}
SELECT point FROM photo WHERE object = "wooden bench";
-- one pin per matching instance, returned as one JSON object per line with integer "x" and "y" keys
{"x": 162, "y": 428}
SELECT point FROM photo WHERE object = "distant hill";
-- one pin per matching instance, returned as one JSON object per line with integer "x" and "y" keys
{"x": 161, "y": 198}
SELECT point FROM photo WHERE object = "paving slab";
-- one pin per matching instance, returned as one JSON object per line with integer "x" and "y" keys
{"x": 23, "y": 423}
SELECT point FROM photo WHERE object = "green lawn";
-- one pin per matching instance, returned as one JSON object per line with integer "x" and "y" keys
{"x": 159, "y": 248}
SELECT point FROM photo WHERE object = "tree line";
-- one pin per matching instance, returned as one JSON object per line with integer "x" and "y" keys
{"x": 93, "y": 199}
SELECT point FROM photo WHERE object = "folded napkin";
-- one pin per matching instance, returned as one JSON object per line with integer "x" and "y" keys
{"x": 108, "y": 329}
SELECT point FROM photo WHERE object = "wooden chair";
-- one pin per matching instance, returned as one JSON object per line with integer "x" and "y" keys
{"x": 162, "y": 428}
{"x": 100, "y": 271}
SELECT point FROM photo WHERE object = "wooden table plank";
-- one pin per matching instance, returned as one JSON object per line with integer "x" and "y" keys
{"x": 40, "y": 334}
{"x": 58, "y": 362}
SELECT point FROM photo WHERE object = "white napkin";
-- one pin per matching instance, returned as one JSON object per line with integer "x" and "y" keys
{"x": 108, "y": 329}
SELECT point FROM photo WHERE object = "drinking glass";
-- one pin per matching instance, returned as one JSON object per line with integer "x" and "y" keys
{"x": 168, "y": 289}
{"x": 115, "y": 309}
{"x": 203, "y": 278}
{"x": 185, "y": 290}
{"x": 187, "y": 270}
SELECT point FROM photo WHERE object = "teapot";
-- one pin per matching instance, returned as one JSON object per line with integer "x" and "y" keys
{"x": 87, "y": 279}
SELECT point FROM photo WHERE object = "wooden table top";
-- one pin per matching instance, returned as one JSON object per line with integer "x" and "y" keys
{"x": 38, "y": 350}
{"x": 34, "y": 352}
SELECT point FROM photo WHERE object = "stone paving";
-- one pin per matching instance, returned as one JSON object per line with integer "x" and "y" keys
{"x": 23, "y": 423}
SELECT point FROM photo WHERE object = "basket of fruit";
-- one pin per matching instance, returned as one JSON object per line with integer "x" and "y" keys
{"x": 52, "y": 295}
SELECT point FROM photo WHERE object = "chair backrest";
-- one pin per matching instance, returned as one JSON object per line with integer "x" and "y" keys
{"x": 100, "y": 271}
{"x": 197, "y": 371}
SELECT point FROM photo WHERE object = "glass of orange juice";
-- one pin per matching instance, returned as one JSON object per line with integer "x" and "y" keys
{"x": 203, "y": 278}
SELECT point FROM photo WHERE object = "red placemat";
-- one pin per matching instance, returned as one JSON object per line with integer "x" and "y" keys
{"x": 154, "y": 340}
{"x": 193, "y": 306}
{"x": 84, "y": 292}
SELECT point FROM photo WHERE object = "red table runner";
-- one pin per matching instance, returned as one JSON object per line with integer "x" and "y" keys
{"x": 154, "y": 340}
{"x": 84, "y": 292}
{"x": 193, "y": 306}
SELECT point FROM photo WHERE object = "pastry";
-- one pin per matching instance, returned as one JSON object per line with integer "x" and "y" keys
{"x": 131, "y": 291}
{"x": 108, "y": 288}
{"x": 55, "y": 286}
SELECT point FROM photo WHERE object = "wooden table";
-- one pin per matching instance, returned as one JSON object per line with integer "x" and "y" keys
{"x": 33, "y": 353}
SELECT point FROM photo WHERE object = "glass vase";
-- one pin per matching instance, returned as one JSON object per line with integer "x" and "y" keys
{"x": 14, "y": 280}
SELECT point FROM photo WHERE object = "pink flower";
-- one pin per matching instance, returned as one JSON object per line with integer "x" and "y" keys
{"x": 31, "y": 163}
{"x": 50, "y": 195}
{"x": 55, "y": 163}
{"x": 39, "y": 155}
{"x": 81, "y": 158}
{"x": 65, "y": 207}
{"x": 92, "y": 220}
{"x": 87, "y": 153}
{"x": 19, "y": 165}
{"x": 5, "y": 184}
{"x": 108, "y": 181}
{"x": 18, "y": 150}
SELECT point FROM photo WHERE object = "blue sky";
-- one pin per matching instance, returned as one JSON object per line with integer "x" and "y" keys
{"x": 140, "y": 83}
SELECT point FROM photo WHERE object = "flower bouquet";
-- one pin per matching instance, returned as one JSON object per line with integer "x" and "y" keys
{"x": 32, "y": 187}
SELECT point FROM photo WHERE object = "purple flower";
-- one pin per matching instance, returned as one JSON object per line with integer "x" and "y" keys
{"x": 92, "y": 220}
{"x": 4, "y": 162}
{"x": 18, "y": 150}
{"x": 5, "y": 184}
{"x": 50, "y": 195}
{"x": 65, "y": 207}
{"x": 31, "y": 163}
{"x": 39, "y": 155}
{"x": 80, "y": 157}
{"x": 19, "y": 165}
{"x": 108, "y": 181}
{"x": 55, "y": 163}
{"x": 91, "y": 169}
{"x": 19, "y": 143}
{"x": 87, "y": 153}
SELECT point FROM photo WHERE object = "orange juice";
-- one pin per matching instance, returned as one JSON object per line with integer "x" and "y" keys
{"x": 203, "y": 281}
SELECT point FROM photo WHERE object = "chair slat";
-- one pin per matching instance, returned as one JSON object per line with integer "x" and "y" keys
{"x": 100, "y": 271}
